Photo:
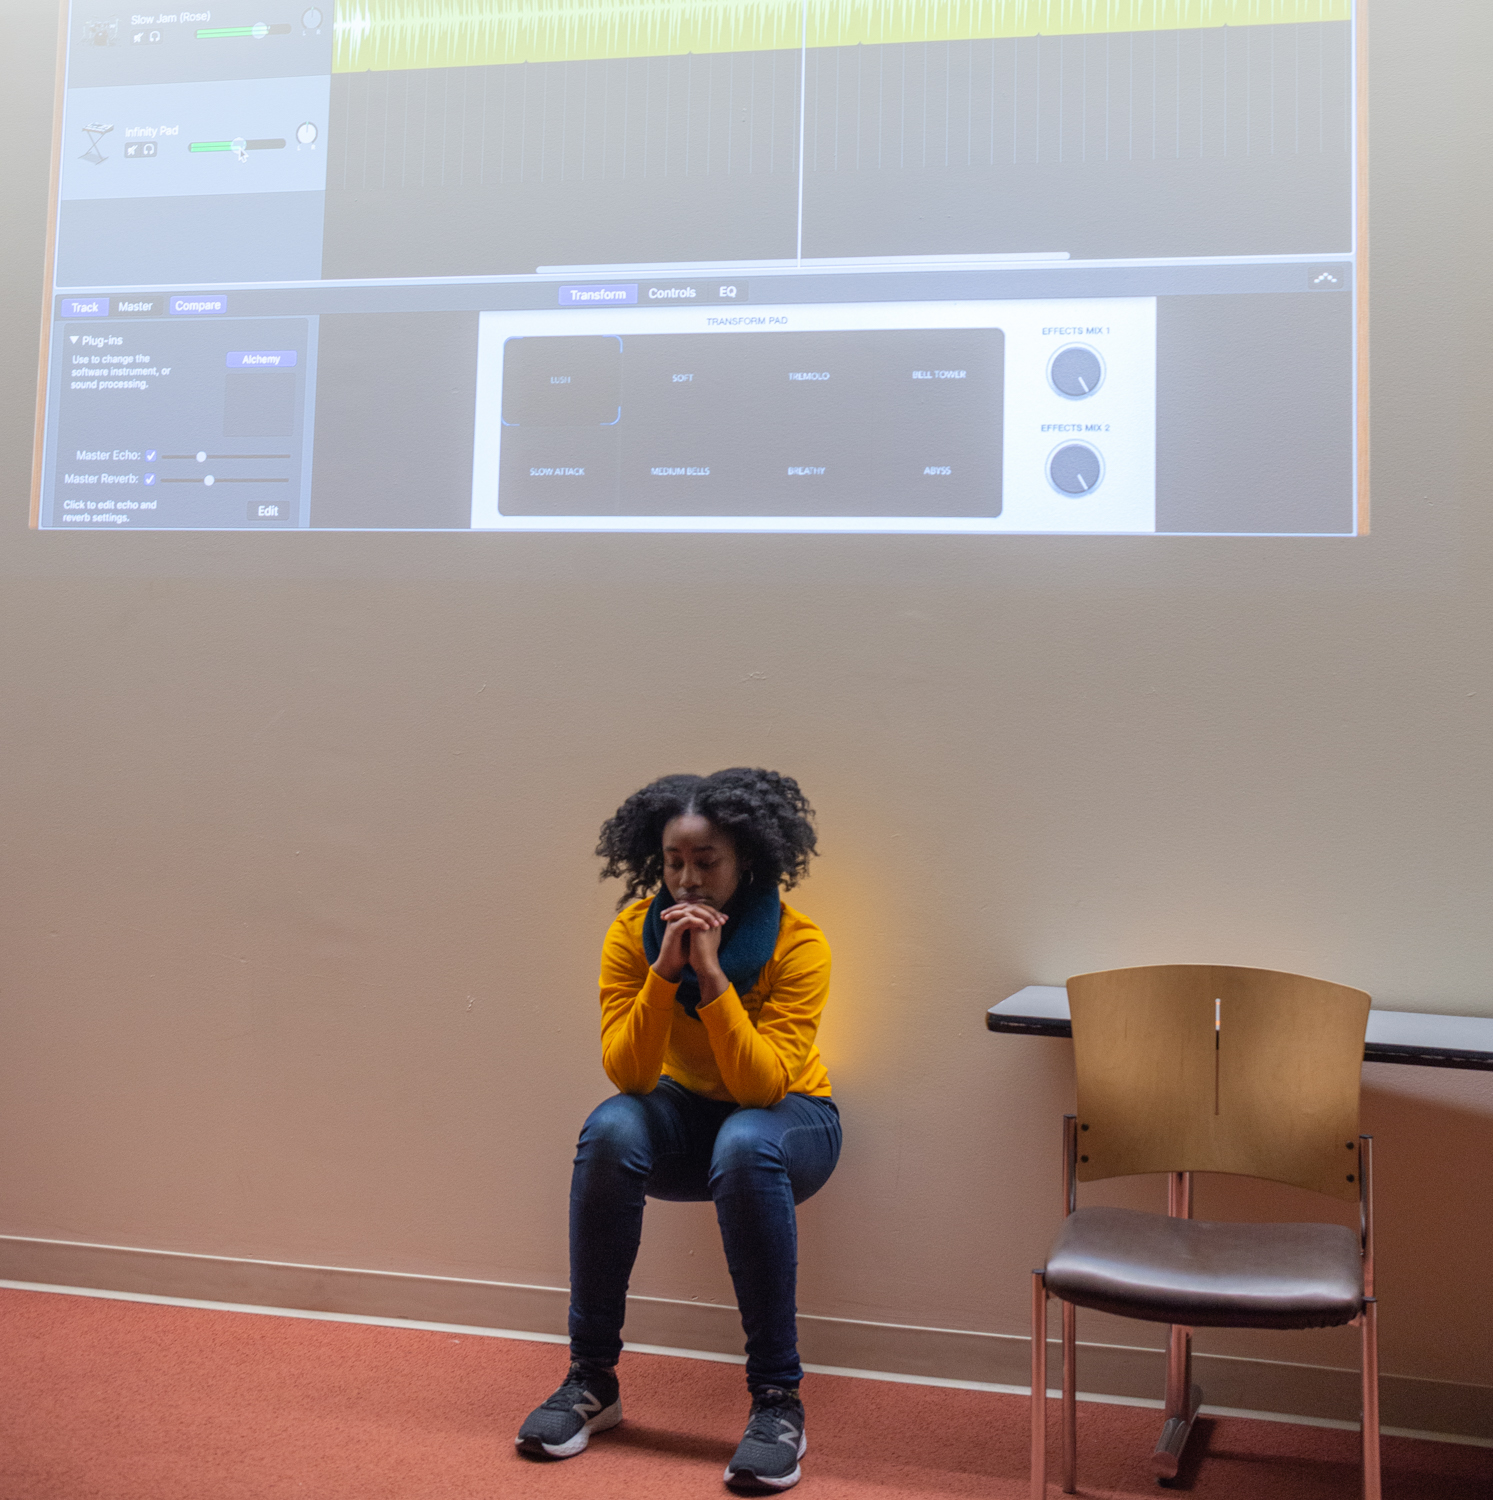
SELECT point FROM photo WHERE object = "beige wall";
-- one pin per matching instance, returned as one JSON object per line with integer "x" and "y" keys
{"x": 300, "y": 920}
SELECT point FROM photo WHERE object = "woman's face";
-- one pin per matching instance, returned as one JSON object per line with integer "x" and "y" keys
{"x": 700, "y": 862}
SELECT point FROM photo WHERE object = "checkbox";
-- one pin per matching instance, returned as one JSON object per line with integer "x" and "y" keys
{"x": 150, "y": 479}
{"x": 150, "y": 455}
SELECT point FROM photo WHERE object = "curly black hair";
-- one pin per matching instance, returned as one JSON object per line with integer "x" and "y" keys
{"x": 765, "y": 815}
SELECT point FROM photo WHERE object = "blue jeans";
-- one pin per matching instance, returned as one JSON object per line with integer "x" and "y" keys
{"x": 754, "y": 1164}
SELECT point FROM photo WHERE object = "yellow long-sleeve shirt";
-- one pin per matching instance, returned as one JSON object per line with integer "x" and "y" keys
{"x": 751, "y": 1049}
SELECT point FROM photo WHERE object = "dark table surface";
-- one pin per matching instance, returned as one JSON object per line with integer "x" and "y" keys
{"x": 1420, "y": 1039}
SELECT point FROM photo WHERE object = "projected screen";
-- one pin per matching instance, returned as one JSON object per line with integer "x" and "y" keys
{"x": 1079, "y": 266}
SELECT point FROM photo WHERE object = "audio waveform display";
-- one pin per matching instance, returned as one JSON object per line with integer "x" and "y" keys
{"x": 388, "y": 34}
{"x": 844, "y": 23}
{"x": 383, "y": 35}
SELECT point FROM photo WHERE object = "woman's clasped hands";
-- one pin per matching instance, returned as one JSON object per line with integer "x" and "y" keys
{"x": 692, "y": 935}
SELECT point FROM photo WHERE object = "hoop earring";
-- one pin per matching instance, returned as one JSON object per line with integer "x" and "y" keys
{"x": 751, "y": 876}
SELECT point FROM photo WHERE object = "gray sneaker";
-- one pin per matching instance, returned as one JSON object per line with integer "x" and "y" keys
{"x": 773, "y": 1443}
{"x": 587, "y": 1402}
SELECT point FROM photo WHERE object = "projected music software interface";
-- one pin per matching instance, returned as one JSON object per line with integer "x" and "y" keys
{"x": 784, "y": 266}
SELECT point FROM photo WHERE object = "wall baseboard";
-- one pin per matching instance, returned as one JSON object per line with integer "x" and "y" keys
{"x": 1294, "y": 1390}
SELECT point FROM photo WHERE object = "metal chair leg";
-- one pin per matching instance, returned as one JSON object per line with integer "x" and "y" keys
{"x": 1182, "y": 1401}
{"x": 1182, "y": 1397}
{"x": 1070, "y": 1399}
{"x": 1039, "y": 1387}
{"x": 1370, "y": 1420}
{"x": 1369, "y": 1322}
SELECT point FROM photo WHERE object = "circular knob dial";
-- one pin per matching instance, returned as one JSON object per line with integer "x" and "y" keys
{"x": 1075, "y": 469}
{"x": 1075, "y": 371}
{"x": 306, "y": 134}
{"x": 311, "y": 19}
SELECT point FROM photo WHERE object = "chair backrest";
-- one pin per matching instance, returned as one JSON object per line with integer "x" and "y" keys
{"x": 1212, "y": 1068}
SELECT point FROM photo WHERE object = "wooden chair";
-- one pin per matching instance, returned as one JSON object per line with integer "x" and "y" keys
{"x": 1187, "y": 1068}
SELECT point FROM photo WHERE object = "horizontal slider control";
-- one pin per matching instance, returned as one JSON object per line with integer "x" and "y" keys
{"x": 238, "y": 144}
{"x": 258, "y": 31}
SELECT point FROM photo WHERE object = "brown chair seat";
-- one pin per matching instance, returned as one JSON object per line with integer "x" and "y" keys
{"x": 1205, "y": 1274}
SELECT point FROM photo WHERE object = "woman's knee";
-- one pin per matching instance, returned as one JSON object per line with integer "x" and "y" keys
{"x": 746, "y": 1144}
{"x": 616, "y": 1135}
{"x": 762, "y": 1148}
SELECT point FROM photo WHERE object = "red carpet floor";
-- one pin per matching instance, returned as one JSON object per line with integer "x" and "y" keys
{"x": 106, "y": 1400}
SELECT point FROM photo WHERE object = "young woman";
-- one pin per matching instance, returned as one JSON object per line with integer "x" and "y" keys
{"x": 711, "y": 993}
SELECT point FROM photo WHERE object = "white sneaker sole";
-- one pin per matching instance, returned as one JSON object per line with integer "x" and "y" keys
{"x": 609, "y": 1416}
{"x": 785, "y": 1482}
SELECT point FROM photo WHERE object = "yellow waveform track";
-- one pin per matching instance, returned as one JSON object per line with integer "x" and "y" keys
{"x": 843, "y": 23}
{"x": 379, "y": 35}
